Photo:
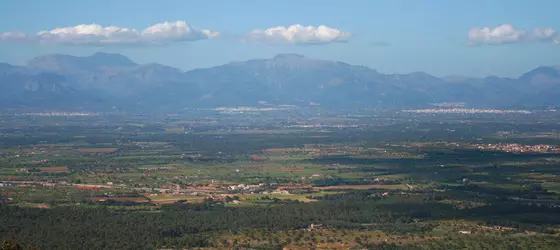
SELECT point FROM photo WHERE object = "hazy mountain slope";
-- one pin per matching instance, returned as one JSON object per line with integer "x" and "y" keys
{"x": 112, "y": 73}
{"x": 103, "y": 80}
{"x": 290, "y": 78}
{"x": 21, "y": 87}
{"x": 68, "y": 64}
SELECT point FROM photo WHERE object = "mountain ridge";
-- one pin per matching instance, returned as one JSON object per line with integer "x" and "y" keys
{"x": 288, "y": 78}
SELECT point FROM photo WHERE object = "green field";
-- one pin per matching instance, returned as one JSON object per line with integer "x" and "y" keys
{"x": 393, "y": 181}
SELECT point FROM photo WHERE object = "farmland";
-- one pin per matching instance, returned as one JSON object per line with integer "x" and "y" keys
{"x": 98, "y": 150}
{"x": 292, "y": 179}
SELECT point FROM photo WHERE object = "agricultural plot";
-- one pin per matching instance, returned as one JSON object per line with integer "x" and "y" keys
{"x": 392, "y": 180}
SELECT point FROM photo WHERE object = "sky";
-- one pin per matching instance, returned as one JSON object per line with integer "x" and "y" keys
{"x": 474, "y": 38}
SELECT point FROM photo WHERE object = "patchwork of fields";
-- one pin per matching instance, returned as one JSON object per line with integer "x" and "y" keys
{"x": 370, "y": 181}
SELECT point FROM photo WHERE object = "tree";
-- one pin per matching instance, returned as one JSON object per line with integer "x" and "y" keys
{"x": 229, "y": 199}
{"x": 535, "y": 187}
{"x": 358, "y": 240}
{"x": 11, "y": 245}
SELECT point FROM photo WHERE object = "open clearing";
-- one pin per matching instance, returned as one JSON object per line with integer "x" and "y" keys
{"x": 54, "y": 169}
{"x": 121, "y": 199}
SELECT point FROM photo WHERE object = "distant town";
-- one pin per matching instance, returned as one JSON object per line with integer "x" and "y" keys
{"x": 467, "y": 111}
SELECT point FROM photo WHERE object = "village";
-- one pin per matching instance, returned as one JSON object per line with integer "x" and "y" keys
{"x": 519, "y": 148}
{"x": 172, "y": 193}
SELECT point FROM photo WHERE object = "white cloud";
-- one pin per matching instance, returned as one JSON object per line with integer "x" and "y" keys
{"x": 507, "y": 34}
{"x": 13, "y": 36}
{"x": 544, "y": 34}
{"x": 177, "y": 31}
{"x": 499, "y": 35}
{"x": 95, "y": 34}
{"x": 298, "y": 35}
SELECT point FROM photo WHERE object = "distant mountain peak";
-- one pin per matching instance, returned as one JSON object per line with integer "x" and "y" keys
{"x": 108, "y": 55}
{"x": 112, "y": 59}
{"x": 68, "y": 63}
{"x": 455, "y": 78}
{"x": 288, "y": 56}
{"x": 540, "y": 72}
{"x": 421, "y": 74}
{"x": 545, "y": 70}
{"x": 156, "y": 67}
{"x": 6, "y": 66}
{"x": 286, "y": 78}
{"x": 103, "y": 54}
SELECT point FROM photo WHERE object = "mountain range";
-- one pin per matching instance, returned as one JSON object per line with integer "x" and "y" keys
{"x": 103, "y": 81}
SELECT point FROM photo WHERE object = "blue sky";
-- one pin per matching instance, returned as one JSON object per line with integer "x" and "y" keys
{"x": 393, "y": 36}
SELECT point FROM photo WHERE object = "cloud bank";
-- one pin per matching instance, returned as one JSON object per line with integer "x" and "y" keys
{"x": 507, "y": 34}
{"x": 95, "y": 34}
{"x": 297, "y": 35}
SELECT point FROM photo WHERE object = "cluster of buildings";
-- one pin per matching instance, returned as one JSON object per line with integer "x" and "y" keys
{"x": 318, "y": 125}
{"x": 241, "y": 110}
{"x": 519, "y": 148}
{"x": 466, "y": 111}
{"x": 246, "y": 187}
{"x": 272, "y": 188}
{"x": 61, "y": 114}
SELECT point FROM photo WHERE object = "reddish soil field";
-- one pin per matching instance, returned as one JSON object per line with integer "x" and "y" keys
{"x": 54, "y": 169}
{"x": 88, "y": 187}
{"x": 257, "y": 157}
{"x": 10, "y": 193}
{"x": 39, "y": 161}
{"x": 43, "y": 206}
